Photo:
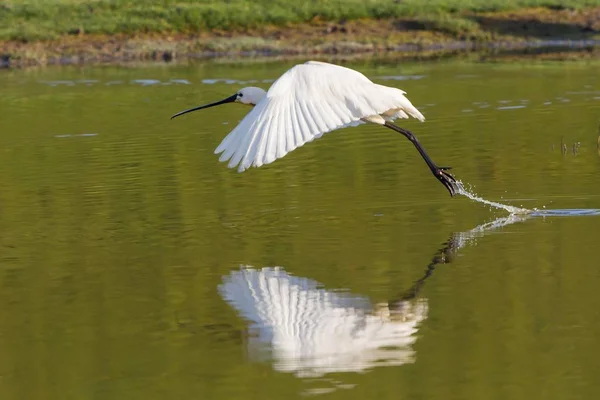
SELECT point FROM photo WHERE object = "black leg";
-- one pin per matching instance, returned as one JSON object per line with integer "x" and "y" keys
{"x": 445, "y": 255}
{"x": 439, "y": 172}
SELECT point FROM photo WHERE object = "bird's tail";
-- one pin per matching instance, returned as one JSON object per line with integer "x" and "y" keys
{"x": 408, "y": 108}
{"x": 404, "y": 108}
{"x": 413, "y": 112}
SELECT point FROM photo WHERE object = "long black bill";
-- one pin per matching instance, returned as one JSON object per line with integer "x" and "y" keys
{"x": 230, "y": 99}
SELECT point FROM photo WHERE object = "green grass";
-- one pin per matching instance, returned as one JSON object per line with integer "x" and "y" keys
{"x": 448, "y": 23}
{"x": 30, "y": 20}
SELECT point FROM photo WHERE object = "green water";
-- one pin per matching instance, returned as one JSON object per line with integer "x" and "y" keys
{"x": 118, "y": 227}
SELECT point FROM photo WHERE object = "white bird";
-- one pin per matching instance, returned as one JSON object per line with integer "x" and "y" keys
{"x": 310, "y": 331}
{"x": 307, "y": 101}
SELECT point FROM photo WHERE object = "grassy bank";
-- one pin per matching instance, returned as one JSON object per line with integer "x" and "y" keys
{"x": 28, "y": 20}
{"x": 37, "y": 32}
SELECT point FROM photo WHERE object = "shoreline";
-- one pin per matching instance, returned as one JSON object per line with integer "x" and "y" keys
{"x": 554, "y": 50}
{"x": 525, "y": 29}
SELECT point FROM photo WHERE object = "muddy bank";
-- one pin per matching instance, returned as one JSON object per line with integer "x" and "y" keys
{"x": 552, "y": 30}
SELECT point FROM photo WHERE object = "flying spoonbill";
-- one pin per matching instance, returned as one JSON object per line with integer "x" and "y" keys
{"x": 307, "y": 101}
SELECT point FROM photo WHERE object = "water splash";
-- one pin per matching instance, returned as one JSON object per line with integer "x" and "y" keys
{"x": 518, "y": 214}
{"x": 461, "y": 239}
{"x": 511, "y": 209}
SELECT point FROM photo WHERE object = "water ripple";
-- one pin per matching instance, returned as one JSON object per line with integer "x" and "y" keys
{"x": 567, "y": 212}
{"x": 400, "y": 77}
{"x": 509, "y": 107}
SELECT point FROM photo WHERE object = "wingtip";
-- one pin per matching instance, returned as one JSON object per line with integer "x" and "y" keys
{"x": 240, "y": 168}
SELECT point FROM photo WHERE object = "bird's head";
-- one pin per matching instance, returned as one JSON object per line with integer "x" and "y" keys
{"x": 248, "y": 95}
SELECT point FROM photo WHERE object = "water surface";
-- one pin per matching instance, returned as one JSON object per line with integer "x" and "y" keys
{"x": 119, "y": 229}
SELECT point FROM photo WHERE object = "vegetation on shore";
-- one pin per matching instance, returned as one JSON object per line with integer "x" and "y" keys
{"x": 29, "y": 20}
{"x": 37, "y": 32}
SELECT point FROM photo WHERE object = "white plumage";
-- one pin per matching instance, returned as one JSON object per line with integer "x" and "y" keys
{"x": 304, "y": 103}
{"x": 312, "y": 331}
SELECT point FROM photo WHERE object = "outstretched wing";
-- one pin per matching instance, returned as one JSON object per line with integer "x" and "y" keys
{"x": 275, "y": 300}
{"x": 304, "y": 103}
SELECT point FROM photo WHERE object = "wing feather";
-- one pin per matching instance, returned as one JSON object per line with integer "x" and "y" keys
{"x": 272, "y": 140}
{"x": 254, "y": 144}
{"x": 296, "y": 126}
{"x": 312, "y": 129}
{"x": 257, "y": 158}
{"x": 290, "y": 140}
{"x": 305, "y": 130}
{"x": 306, "y": 102}
{"x": 234, "y": 140}
{"x": 244, "y": 142}
{"x": 317, "y": 117}
{"x": 285, "y": 128}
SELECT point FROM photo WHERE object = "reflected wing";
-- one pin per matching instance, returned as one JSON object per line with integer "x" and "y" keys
{"x": 271, "y": 298}
{"x": 304, "y": 103}
{"x": 314, "y": 331}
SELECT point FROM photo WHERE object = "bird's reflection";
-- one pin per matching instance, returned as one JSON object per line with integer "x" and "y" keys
{"x": 311, "y": 331}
